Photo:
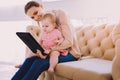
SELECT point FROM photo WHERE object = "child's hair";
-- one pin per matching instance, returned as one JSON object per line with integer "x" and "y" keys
{"x": 31, "y": 4}
{"x": 51, "y": 16}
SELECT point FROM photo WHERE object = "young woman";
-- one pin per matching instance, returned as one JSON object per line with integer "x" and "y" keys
{"x": 35, "y": 65}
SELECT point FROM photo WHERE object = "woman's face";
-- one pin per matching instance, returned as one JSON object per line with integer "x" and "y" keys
{"x": 35, "y": 13}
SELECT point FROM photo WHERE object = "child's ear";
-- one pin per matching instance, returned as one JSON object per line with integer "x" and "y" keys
{"x": 54, "y": 24}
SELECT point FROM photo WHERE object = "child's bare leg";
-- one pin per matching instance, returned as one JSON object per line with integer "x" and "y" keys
{"x": 53, "y": 60}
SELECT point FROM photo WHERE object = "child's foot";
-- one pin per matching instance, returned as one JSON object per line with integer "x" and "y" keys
{"x": 51, "y": 70}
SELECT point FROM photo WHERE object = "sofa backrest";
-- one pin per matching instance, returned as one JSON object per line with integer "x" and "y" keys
{"x": 96, "y": 41}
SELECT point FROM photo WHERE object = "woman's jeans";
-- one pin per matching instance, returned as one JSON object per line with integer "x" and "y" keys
{"x": 34, "y": 66}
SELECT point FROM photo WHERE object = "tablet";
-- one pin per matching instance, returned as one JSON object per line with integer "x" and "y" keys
{"x": 30, "y": 41}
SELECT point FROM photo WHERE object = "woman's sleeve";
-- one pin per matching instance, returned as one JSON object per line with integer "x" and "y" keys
{"x": 64, "y": 24}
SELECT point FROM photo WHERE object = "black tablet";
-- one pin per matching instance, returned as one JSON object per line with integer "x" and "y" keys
{"x": 29, "y": 40}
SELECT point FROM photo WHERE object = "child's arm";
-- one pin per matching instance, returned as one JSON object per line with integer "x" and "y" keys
{"x": 40, "y": 42}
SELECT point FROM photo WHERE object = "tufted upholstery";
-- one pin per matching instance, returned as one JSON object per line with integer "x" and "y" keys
{"x": 97, "y": 41}
{"x": 98, "y": 44}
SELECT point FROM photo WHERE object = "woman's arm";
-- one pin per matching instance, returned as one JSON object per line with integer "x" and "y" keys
{"x": 65, "y": 27}
{"x": 60, "y": 38}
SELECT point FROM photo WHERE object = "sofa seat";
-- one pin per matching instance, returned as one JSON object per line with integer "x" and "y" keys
{"x": 88, "y": 69}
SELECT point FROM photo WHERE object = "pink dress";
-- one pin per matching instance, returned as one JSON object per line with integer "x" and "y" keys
{"x": 50, "y": 40}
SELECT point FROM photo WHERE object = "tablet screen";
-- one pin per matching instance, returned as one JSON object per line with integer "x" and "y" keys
{"x": 29, "y": 40}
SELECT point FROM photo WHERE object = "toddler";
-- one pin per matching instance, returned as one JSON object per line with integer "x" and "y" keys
{"x": 50, "y": 37}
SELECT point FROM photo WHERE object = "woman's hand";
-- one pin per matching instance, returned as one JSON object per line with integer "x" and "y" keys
{"x": 40, "y": 54}
{"x": 29, "y": 53}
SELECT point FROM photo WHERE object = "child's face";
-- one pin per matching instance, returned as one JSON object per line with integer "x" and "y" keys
{"x": 47, "y": 26}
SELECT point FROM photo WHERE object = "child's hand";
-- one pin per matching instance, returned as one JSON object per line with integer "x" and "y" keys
{"x": 40, "y": 54}
{"x": 47, "y": 51}
{"x": 57, "y": 42}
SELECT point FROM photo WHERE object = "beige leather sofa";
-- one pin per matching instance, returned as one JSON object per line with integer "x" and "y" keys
{"x": 100, "y": 46}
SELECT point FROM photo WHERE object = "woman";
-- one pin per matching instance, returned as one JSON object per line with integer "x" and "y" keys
{"x": 35, "y": 65}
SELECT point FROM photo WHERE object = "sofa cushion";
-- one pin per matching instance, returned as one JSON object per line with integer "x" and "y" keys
{"x": 87, "y": 69}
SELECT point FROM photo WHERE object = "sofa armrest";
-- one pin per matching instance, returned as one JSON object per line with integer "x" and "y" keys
{"x": 35, "y": 32}
{"x": 116, "y": 60}
{"x": 116, "y": 33}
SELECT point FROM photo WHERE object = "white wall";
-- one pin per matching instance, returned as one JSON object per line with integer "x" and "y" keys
{"x": 100, "y": 8}
{"x": 12, "y": 49}
{"x": 12, "y": 10}
{"x": 78, "y": 9}
{"x": 12, "y": 19}
{"x": 81, "y": 9}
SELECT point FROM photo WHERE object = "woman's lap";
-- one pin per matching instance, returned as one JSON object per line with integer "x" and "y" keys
{"x": 34, "y": 66}
{"x": 67, "y": 58}
{"x": 24, "y": 68}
